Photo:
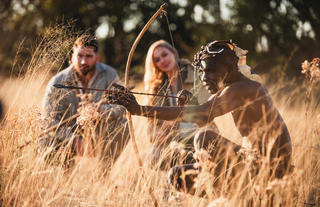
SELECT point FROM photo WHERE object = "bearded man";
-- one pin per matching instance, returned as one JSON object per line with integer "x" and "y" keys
{"x": 61, "y": 104}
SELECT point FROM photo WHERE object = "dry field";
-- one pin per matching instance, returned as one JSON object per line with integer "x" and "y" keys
{"x": 26, "y": 180}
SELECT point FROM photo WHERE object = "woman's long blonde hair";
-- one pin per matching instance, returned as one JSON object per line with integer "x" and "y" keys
{"x": 153, "y": 77}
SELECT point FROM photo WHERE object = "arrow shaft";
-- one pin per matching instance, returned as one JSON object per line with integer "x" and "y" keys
{"x": 111, "y": 91}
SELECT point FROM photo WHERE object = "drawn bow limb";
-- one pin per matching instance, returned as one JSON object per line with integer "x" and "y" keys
{"x": 127, "y": 72}
{"x": 137, "y": 40}
{"x": 132, "y": 50}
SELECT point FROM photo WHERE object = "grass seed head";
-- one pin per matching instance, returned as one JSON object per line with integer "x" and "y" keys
{"x": 311, "y": 70}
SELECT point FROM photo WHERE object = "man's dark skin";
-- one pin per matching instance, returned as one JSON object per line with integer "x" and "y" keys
{"x": 252, "y": 109}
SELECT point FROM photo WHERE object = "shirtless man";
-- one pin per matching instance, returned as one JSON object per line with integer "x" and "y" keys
{"x": 251, "y": 106}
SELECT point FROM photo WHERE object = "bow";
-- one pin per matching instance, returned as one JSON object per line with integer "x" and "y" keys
{"x": 132, "y": 50}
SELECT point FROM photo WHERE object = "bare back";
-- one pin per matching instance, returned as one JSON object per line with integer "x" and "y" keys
{"x": 257, "y": 118}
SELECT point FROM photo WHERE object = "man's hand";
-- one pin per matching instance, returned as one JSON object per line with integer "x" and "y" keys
{"x": 122, "y": 96}
{"x": 184, "y": 97}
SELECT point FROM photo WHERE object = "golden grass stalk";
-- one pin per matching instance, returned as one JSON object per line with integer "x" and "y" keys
{"x": 27, "y": 180}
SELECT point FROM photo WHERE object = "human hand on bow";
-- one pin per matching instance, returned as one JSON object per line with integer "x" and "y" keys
{"x": 186, "y": 97}
{"x": 122, "y": 96}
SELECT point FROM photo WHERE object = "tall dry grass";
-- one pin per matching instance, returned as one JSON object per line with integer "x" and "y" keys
{"x": 26, "y": 180}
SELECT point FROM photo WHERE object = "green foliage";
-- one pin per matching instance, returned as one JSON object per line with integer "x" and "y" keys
{"x": 280, "y": 23}
{"x": 276, "y": 32}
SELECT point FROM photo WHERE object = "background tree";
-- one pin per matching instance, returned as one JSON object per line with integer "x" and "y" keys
{"x": 279, "y": 34}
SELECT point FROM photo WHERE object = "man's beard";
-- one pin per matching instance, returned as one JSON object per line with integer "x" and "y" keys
{"x": 213, "y": 88}
{"x": 84, "y": 73}
{"x": 216, "y": 86}
{"x": 87, "y": 71}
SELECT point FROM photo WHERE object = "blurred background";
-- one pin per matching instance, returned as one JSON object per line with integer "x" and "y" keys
{"x": 36, "y": 39}
{"x": 279, "y": 34}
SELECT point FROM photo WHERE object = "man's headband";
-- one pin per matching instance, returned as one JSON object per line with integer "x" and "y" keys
{"x": 211, "y": 50}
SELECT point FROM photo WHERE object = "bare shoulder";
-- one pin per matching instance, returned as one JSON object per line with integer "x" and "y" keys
{"x": 245, "y": 89}
{"x": 235, "y": 95}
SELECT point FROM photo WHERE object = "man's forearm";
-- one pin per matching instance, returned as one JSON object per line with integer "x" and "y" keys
{"x": 160, "y": 112}
{"x": 182, "y": 113}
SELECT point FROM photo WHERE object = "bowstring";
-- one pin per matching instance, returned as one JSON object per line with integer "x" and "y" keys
{"x": 170, "y": 32}
{"x": 172, "y": 43}
{"x": 171, "y": 38}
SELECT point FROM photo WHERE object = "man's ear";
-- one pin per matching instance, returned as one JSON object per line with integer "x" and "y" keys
{"x": 71, "y": 60}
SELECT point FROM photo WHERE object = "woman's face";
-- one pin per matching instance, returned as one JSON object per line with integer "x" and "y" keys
{"x": 164, "y": 59}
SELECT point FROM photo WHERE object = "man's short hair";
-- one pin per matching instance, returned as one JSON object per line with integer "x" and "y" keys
{"x": 86, "y": 41}
{"x": 220, "y": 50}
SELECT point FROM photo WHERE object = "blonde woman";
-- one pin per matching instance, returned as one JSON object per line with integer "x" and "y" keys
{"x": 166, "y": 74}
